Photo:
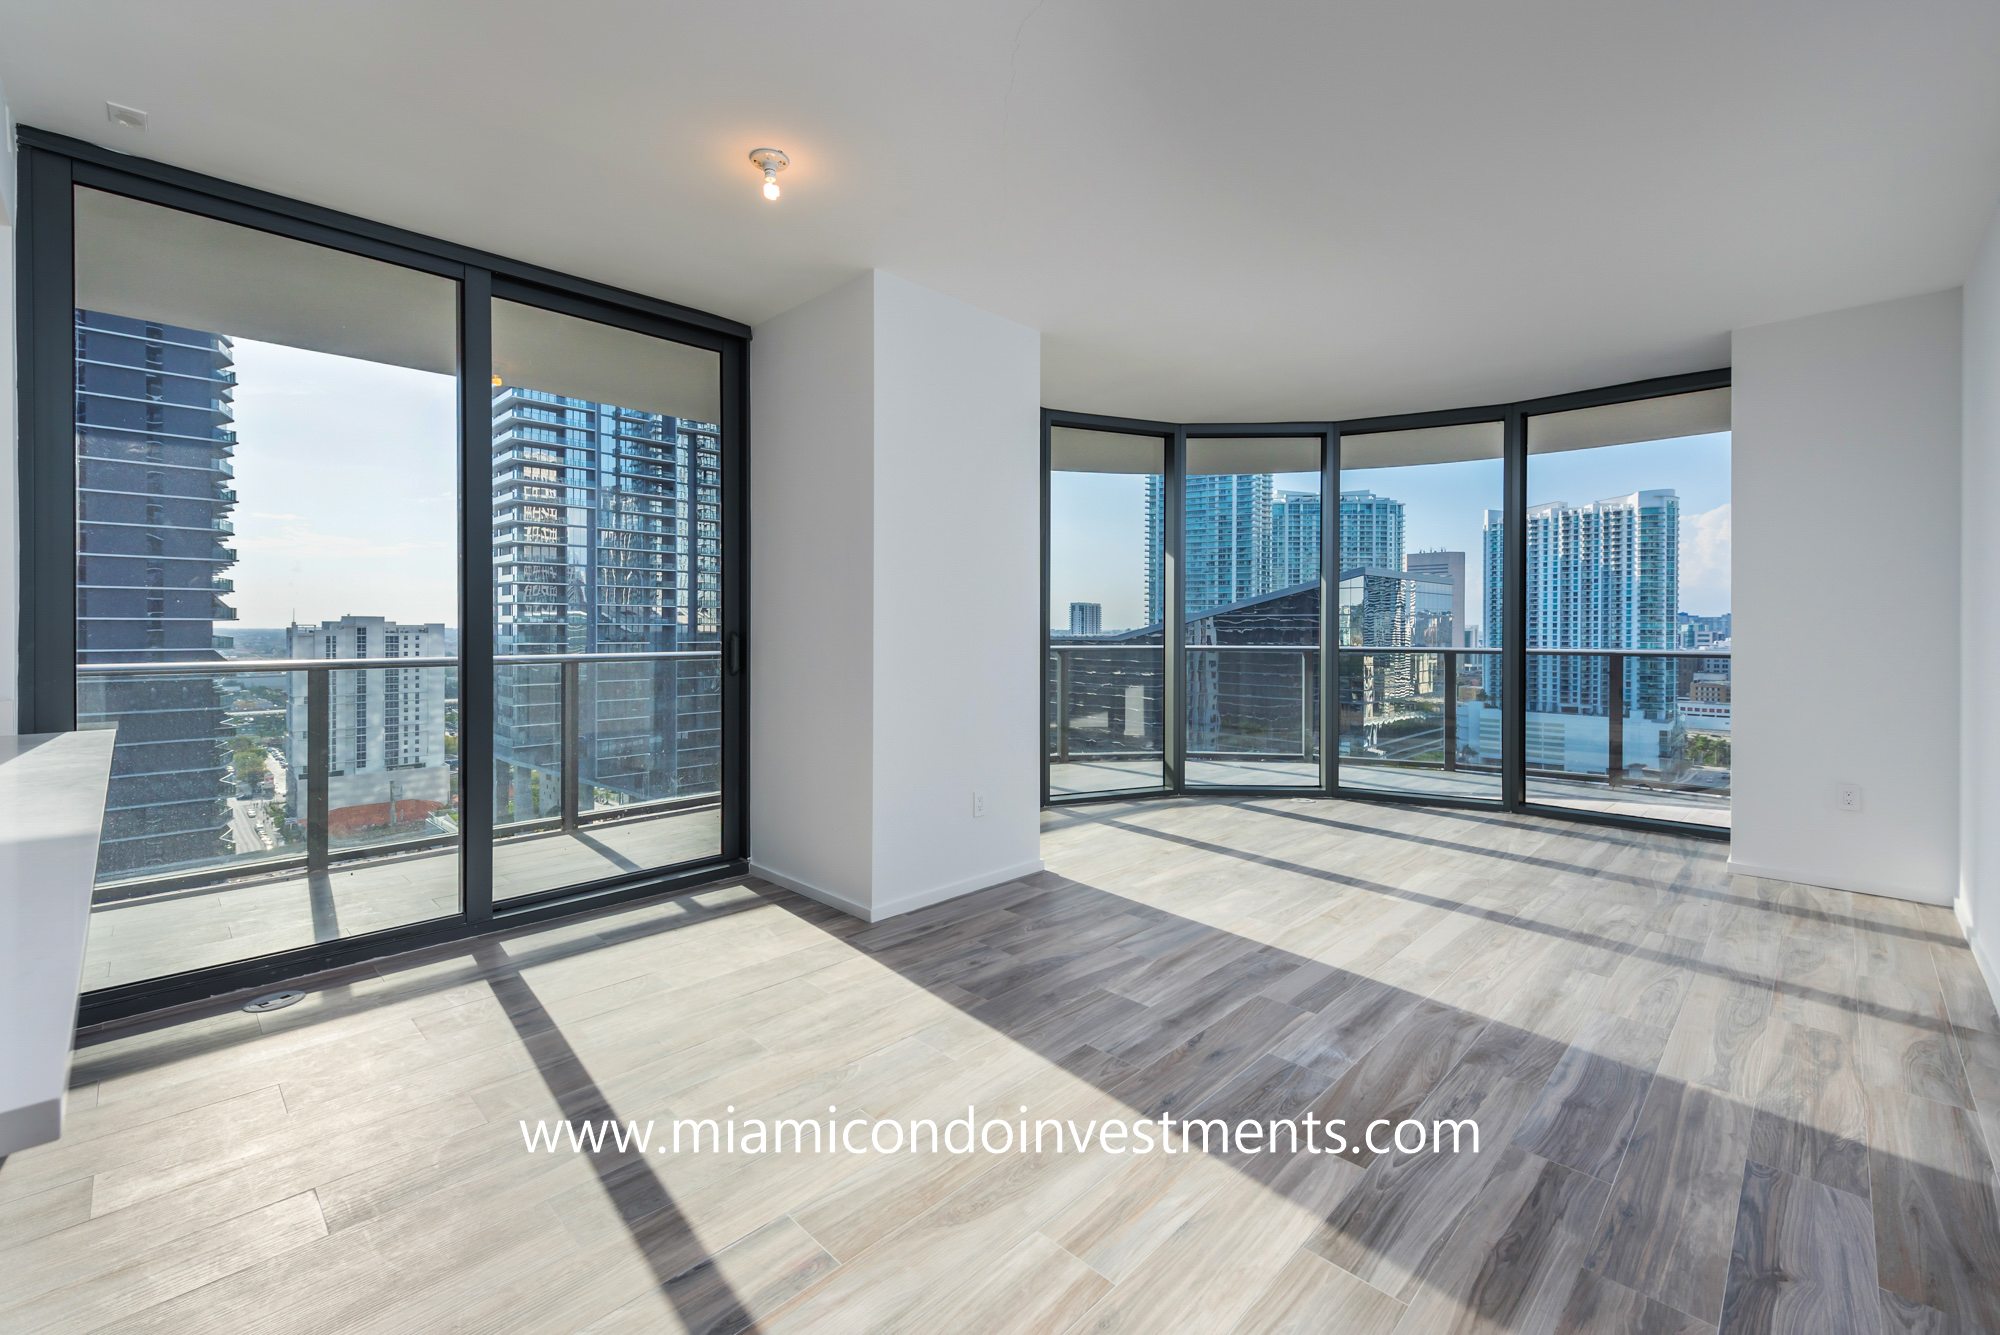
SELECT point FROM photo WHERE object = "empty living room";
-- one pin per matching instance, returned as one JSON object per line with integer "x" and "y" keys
{"x": 1046, "y": 666}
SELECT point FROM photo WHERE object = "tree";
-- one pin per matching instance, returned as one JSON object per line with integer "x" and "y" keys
{"x": 247, "y": 759}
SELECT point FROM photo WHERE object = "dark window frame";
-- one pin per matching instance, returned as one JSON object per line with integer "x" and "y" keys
{"x": 1513, "y": 419}
{"x": 51, "y": 167}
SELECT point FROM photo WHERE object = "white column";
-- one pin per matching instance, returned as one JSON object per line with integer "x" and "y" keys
{"x": 895, "y": 500}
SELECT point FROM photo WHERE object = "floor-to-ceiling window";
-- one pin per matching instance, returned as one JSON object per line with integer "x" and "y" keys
{"x": 1420, "y": 594}
{"x": 1250, "y": 622}
{"x": 1627, "y": 684}
{"x": 284, "y": 472}
{"x": 1105, "y": 656}
{"x": 266, "y": 476}
{"x": 607, "y": 569}
{"x": 1529, "y": 604}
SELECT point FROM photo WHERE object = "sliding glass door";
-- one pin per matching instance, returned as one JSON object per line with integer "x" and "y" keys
{"x": 409, "y": 577}
{"x": 266, "y": 587}
{"x": 608, "y": 671}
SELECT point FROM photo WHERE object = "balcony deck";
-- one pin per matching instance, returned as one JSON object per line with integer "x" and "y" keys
{"x": 249, "y": 915}
{"x": 1077, "y": 778}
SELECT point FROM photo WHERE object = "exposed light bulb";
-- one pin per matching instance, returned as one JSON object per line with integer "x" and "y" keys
{"x": 770, "y": 161}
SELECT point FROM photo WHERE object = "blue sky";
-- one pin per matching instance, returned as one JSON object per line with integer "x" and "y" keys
{"x": 347, "y": 500}
{"x": 1098, "y": 522}
{"x": 347, "y": 489}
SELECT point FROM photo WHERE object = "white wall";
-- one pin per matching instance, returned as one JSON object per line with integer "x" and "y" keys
{"x": 1979, "y": 601}
{"x": 895, "y": 499}
{"x": 1846, "y": 483}
{"x": 957, "y": 579}
{"x": 811, "y": 657}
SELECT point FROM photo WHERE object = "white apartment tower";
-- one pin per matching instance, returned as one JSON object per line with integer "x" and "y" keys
{"x": 1603, "y": 575}
{"x": 387, "y": 764}
{"x": 1371, "y": 531}
{"x": 1294, "y": 538}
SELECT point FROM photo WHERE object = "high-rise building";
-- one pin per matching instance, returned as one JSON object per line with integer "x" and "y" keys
{"x": 606, "y": 539}
{"x": 1699, "y": 632}
{"x": 1394, "y": 609}
{"x": 1371, "y": 534}
{"x": 1371, "y": 531}
{"x": 1244, "y": 539}
{"x": 1086, "y": 618}
{"x": 1604, "y": 575}
{"x": 154, "y": 445}
{"x": 386, "y": 742}
{"x": 1294, "y": 538}
{"x": 1254, "y": 702}
{"x": 1449, "y": 567}
{"x": 1385, "y": 609}
{"x": 1226, "y": 542}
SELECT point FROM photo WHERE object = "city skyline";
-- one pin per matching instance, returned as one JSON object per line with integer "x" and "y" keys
{"x": 306, "y": 503}
{"x": 1098, "y": 522}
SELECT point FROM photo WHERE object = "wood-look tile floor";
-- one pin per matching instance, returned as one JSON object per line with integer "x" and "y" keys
{"x": 1707, "y": 1102}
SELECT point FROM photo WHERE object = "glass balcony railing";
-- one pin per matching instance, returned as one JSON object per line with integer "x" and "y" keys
{"x": 268, "y": 764}
{"x": 1634, "y": 731}
{"x": 1637, "y": 732}
{"x": 563, "y": 721}
{"x": 1104, "y": 716}
{"x": 1420, "y": 722}
{"x": 1252, "y": 715}
{"x": 231, "y": 768}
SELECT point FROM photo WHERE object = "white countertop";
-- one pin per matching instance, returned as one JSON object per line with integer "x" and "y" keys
{"x": 52, "y": 789}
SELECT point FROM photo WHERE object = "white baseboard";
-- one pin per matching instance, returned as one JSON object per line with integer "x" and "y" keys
{"x": 909, "y": 903}
{"x": 1859, "y": 886}
{"x": 798, "y": 885}
{"x": 938, "y": 894}
{"x": 1979, "y": 957}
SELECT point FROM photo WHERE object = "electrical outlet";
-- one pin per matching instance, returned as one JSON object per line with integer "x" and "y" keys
{"x": 978, "y": 803}
{"x": 1847, "y": 796}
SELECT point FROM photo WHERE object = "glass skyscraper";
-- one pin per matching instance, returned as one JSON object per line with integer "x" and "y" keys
{"x": 1244, "y": 538}
{"x": 154, "y": 443}
{"x": 606, "y": 539}
{"x": 1227, "y": 538}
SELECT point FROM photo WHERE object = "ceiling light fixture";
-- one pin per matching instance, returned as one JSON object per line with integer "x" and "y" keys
{"x": 770, "y": 161}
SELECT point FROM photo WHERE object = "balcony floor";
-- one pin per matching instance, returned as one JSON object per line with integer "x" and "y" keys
{"x": 1704, "y": 1100}
{"x": 1079, "y": 778}
{"x": 134, "y": 939}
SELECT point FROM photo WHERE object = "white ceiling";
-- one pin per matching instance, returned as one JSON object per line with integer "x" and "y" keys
{"x": 1215, "y": 210}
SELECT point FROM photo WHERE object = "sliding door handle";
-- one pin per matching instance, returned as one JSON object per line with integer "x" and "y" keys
{"x": 732, "y": 654}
